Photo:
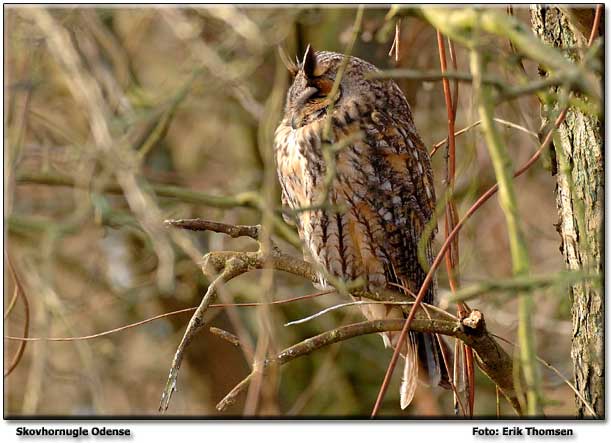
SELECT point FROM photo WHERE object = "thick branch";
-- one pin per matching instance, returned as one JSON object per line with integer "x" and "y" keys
{"x": 234, "y": 231}
{"x": 493, "y": 360}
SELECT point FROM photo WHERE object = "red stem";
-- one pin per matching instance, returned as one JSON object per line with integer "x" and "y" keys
{"x": 597, "y": 16}
{"x": 480, "y": 201}
{"x": 429, "y": 277}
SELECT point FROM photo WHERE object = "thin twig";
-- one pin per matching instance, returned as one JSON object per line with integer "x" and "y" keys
{"x": 441, "y": 323}
{"x": 478, "y": 203}
{"x": 509, "y": 124}
{"x": 521, "y": 283}
{"x": 519, "y": 253}
{"x": 396, "y": 40}
{"x": 234, "y": 231}
{"x": 246, "y": 199}
{"x": 347, "y": 304}
{"x": 231, "y": 338}
{"x": 456, "y": 82}
{"x": 451, "y": 215}
{"x": 167, "y": 314}
{"x": 596, "y": 24}
{"x": 558, "y": 373}
{"x": 26, "y": 323}
{"x": 433, "y": 76}
{"x": 329, "y": 150}
{"x": 12, "y": 303}
{"x": 195, "y": 324}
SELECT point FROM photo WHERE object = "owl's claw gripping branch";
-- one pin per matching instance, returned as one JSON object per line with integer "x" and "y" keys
{"x": 222, "y": 266}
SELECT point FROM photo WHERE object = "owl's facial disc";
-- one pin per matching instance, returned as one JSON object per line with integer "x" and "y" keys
{"x": 309, "y": 97}
{"x": 311, "y": 103}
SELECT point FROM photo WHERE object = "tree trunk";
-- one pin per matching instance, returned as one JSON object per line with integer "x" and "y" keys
{"x": 580, "y": 200}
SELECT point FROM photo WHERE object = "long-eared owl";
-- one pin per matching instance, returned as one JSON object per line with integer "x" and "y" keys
{"x": 379, "y": 191}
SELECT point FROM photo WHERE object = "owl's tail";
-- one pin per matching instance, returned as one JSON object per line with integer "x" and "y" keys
{"x": 431, "y": 357}
{"x": 422, "y": 354}
{"x": 423, "y": 351}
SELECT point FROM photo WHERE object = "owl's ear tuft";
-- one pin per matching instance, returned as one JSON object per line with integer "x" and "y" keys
{"x": 308, "y": 65}
{"x": 290, "y": 65}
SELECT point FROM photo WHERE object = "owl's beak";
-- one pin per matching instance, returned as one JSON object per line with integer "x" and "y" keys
{"x": 300, "y": 102}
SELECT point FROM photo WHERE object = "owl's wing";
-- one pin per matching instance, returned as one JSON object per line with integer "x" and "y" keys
{"x": 389, "y": 169}
{"x": 387, "y": 182}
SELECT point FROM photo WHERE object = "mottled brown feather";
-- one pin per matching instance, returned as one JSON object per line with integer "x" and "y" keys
{"x": 382, "y": 195}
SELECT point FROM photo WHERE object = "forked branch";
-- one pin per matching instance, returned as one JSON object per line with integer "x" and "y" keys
{"x": 222, "y": 266}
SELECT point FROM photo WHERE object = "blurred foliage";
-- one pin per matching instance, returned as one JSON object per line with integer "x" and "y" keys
{"x": 189, "y": 93}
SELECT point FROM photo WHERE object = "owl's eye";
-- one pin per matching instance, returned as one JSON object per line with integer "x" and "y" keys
{"x": 306, "y": 96}
{"x": 318, "y": 91}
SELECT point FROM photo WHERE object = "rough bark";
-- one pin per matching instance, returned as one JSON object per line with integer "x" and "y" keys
{"x": 580, "y": 197}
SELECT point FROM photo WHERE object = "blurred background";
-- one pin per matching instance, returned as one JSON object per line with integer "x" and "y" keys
{"x": 185, "y": 102}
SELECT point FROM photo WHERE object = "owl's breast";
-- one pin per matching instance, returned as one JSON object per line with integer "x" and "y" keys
{"x": 299, "y": 162}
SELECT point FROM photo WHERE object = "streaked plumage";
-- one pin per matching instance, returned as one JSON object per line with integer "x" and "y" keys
{"x": 380, "y": 199}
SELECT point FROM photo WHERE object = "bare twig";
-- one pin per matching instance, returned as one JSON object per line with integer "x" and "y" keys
{"x": 234, "y": 231}
{"x": 396, "y": 41}
{"x": 26, "y": 323}
{"x": 493, "y": 359}
{"x": 195, "y": 324}
{"x": 456, "y": 82}
{"x": 329, "y": 148}
{"x": 596, "y": 24}
{"x": 521, "y": 283}
{"x": 12, "y": 302}
{"x": 509, "y": 124}
{"x": 431, "y": 76}
{"x": 232, "y": 339}
{"x": 451, "y": 216}
{"x": 353, "y": 303}
{"x": 519, "y": 253}
{"x": 478, "y": 203}
{"x": 246, "y": 199}
{"x": 167, "y": 314}
{"x": 559, "y": 374}
{"x": 226, "y": 335}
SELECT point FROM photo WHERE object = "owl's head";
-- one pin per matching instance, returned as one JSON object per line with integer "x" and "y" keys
{"x": 310, "y": 95}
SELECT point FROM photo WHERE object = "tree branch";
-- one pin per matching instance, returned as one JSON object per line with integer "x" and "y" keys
{"x": 225, "y": 265}
{"x": 492, "y": 359}
{"x": 464, "y": 25}
{"x": 245, "y": 199}
{"x": 501, "y": 163}
{"x": 234, "y": 231}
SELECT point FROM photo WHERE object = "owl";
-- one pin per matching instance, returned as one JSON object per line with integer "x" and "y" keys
{"x": 360, "y": 210}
